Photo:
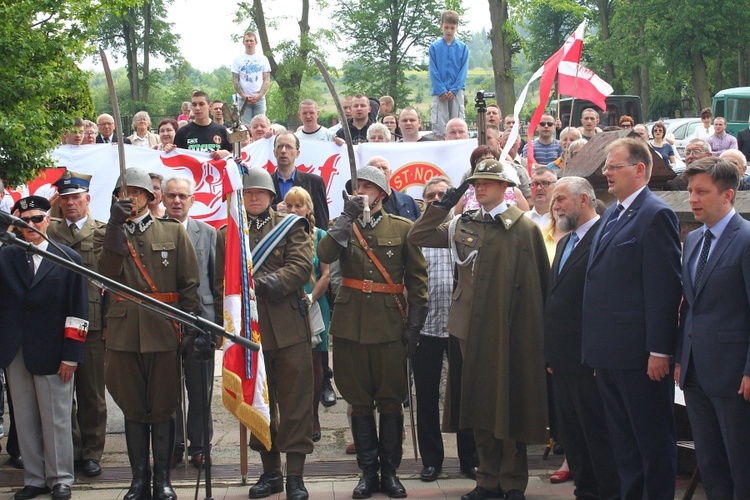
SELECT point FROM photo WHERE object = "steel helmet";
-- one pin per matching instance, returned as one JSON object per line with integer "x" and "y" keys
{"x": 374, "y": 175}
{"x": 258, "y": 178}
{"x": 136, "y": 177}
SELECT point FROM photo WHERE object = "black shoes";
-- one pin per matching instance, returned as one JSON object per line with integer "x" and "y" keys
{"x": 61, "y": 491}
{"x": 91, "y": 468}
{"x": 470, "y": 472}
{"x": 16, "y": 462}
{"x": 30, "y": 492}
{"x": 515, "y": 495}
{"x": 268, "y": 484}
{"x": 367, "y": 485}
{"x": 430, "y": 474}
{"x": 480, "y": 493}
{"x": 295, "y": 488}
{"x": 327, "y": 395}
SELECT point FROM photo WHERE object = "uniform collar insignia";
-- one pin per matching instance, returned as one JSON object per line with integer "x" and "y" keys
{"x": 140, "y": 226}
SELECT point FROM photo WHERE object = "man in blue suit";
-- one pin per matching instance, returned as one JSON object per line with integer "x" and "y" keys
{"x": 44, "y": 309}
{"x": 630, "y": 306}
{"x": 713, "y": 357}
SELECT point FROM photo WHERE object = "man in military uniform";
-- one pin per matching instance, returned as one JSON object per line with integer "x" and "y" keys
{"x": 77, "y": 230}
{"x": 142, "y": 371}
{"x": 497, "y": 315}
{"x": 372, "y": 325}
{"x": 285, "y": 335}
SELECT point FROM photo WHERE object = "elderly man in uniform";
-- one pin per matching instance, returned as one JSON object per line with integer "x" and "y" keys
{"x": 44, "y": 311}
{"x": 285, "y": 334}
{"x": 497, "y": 315}
{"x": 142, "y": 370}
{"x": 77, "y": 229}
{"x": 370, "y": 324}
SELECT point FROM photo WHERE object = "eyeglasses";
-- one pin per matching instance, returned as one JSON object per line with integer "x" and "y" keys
{"x": 105, "y": 123}
{"x": 36, "y": 219}
{"x": 616, "y": 167}
{"x": 626, "y": 125}
{"x": 693, "y": 152}
{"x": 90, "y": 134}
{"x": 547, "y": 124}
{"x": 655, "y": 130}
{"x": 542, "y": 184}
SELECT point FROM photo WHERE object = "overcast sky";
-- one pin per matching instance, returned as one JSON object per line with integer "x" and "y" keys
{"x": 206, "y": 29}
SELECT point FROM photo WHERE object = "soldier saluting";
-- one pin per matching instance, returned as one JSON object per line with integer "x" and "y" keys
{"x": 372, "y": 323}
{"x": 142, "y": 370}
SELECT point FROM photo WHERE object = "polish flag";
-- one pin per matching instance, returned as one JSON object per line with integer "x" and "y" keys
{"x": 570, "y": 51}
{"x": 578, "y": 81}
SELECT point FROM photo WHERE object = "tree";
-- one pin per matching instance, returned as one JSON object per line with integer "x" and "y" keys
{"x": 505, "y": 44}
{"x": 386, "y": 38}
{"x": 43, "y": 89}
{"x": 139, "y": 32}
{"x": 290, "y": 60}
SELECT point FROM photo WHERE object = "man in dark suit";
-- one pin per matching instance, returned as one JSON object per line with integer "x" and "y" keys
{"x": 714, "y": 364}
{"x": 630, "y": 304}
{"x": 397, "y": 203}
{"x": 286, "y": 150}
{"x": 743, "y": 141}
{"x": 178, "y": 199}
{"x": 44, "y": 310}
{"x": 107, "y": 127}
{"x": 580, "y": 414}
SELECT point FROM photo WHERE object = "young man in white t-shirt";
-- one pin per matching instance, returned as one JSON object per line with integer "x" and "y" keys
{"x": 251, "y": 75}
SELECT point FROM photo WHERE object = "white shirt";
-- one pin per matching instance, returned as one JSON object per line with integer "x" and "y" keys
{"x": 251, "y": 67}
{"x": 541, "y": 220}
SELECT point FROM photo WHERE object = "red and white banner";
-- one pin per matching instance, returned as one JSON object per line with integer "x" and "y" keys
{"x": 570, "y": 51}
{"x": 412, "y": 165}
{"x": 577, "y": 81}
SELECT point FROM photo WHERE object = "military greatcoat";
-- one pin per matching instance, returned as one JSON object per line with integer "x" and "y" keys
{"x": 498, "y": 311}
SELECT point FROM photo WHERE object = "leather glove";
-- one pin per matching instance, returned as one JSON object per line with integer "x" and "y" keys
{"x": 187, "y": 346}
{"x": 120, "y": 211}
{"x": 269, "y": 288}
{"x": 353, "y": 207}
{"x": 341, "y": 230}
{"x": 410, "y": 338}
{"x": 452, "y": 196}
{"x": 414, "y": 323}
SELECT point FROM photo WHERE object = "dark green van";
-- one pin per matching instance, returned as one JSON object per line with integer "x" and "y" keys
{"x": 734, "y": 106}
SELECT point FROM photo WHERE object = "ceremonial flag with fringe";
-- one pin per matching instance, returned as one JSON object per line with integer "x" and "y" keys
{"x": 244, "y": 387}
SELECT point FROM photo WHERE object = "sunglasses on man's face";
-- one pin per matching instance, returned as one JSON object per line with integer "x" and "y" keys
{"x": 36, "y": 219}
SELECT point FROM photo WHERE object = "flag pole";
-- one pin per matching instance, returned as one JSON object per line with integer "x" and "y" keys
{"x": 572, "y": 104}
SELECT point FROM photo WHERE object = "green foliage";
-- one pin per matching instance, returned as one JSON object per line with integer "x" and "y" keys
{"x": 386, "y": 38}
{"x": 44, "y": 89}
{"x": 549, "y": 22}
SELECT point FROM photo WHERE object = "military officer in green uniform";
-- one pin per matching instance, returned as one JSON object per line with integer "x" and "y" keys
{"x": 285, "y": 333}
{"x": 497, "y": 314}
{"x": 374, "y": 326}
{"x": 78, "y": 229}
{"x": 142, "y": 371}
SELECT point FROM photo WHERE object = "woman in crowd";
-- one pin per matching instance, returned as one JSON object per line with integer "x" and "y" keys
{"x": 390, "y": 120}
{"x": 143, "y": 137}
{"x": 513, "y": 195}
{"x": 659, "y": 143}
{"x": 299, "y": 202}
{"x": 167, "y": 129}
{"x": 626, "y": 122}
{"x": 185, "y": 114}
{"x": 377, "y": 132}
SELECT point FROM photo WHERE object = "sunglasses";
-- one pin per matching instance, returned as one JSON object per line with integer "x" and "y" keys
{"x": 547, "y": 124}
{"x": 36, "y": 219}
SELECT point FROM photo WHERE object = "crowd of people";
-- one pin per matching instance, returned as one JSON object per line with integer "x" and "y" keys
{"x": 548, "y": 306}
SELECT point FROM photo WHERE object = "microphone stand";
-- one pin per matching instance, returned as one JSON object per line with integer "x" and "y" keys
{"x": 130, "y": 294}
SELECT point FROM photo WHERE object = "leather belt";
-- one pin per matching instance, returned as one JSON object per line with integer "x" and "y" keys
{"x": 167, "y": 298}
{"x": 368, "y": 286}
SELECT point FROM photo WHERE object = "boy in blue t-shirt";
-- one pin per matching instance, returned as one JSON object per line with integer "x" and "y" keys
{"x": 449, "y": 64}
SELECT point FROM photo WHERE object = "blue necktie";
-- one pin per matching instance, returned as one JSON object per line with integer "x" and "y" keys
{"x": 568, "y": 250}
{"x": 612, "y": 221}
{"x": 707, "y": 237}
